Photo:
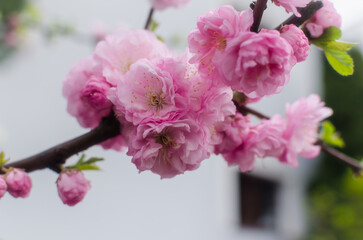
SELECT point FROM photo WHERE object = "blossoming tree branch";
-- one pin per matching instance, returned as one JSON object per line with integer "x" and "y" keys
{"x": 171, "y": 111}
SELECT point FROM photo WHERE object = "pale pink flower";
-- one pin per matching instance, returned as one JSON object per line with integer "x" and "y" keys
{"x": 152, "y": 90}
{"x": 3, "y": 186}
{"x": 303, "y": 117}
{"x": 163, "y": 4}
{"x": 214, "y": 30}
{"x": 72, "y": 186}
{"x": 325, "y": 17}
{"x": 231, "y": 133}
{"x": 257, "y": 64}
{"x": 291, "y": 5}
{"x": 85, "y": 90}
{"x": 297, "y": 39}
{"x": 123, "y": 48}
{"x": 168, "y": 148}
{"x": 19, "y": 183}
{"x": 263, "y": 140}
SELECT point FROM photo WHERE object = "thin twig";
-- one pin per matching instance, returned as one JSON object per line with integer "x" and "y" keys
{"x": 306, "y": 13}
{"x": 258, "y": 10}
{"x": 55, "y": 157}
{"x": 149, "y": 19}
{"x": 355, "y": 165}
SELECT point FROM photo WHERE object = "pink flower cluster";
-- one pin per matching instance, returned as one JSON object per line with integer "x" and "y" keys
{"x": 176, "y": 110}
{"x": 325, "y": 17}
{"x": 256, "y": 64}
{"x": 276, "y": 137}
{"x": 16, "y": 182}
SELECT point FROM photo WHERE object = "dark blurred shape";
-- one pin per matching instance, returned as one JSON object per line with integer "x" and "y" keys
{"x": 257, "y": 198}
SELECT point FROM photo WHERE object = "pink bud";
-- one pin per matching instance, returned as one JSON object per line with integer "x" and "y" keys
{"x": 72, "y": 186}
{"x": 3, "y": 186}
{"x": 19, "y": 183}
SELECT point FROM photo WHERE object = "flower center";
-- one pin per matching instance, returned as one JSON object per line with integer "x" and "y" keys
{"x": 156, "y": 101}
{"x": 164, "y": 140}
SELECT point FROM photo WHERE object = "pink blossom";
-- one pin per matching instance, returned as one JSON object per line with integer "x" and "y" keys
{"x": 163, "y": 4}
{"x": 19, "y": 183}
{"x": 257, "y": 64}
{"x": 121, "y": 49}
{"x": 297, "y": 39}
{"x": 291, "y": 5}
{"x": 168, "y": 148}
{"x": 86, "y": 92}
{"x": 231, "y": 132}
{"x": 325, "y": 17}
{"x": 3, "y": 186}
{"x": 214, "y": 30}
{"x": 85, "y": 89}
{"x": 263, "y": 140}
{"x": 152, "y": 90}
{"x": 303, "y": 117}
{"x": 72, "y": 186}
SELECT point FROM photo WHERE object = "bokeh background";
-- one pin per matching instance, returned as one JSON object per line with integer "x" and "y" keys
{"x": 319, "y": 200}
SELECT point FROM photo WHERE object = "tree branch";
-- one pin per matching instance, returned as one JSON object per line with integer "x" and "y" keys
{"x": 306, "y": 13}
{"x": 355, "y": 165}
{"x": 258, "y": 10}
{"x": 149, "y": 19}
{"x": 55, "y": 157}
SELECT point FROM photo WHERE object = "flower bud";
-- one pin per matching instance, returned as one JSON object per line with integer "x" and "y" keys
{"x": 3, "y": 186}
{"x": 19, "y": 183}
{"x": 72, "y": 186}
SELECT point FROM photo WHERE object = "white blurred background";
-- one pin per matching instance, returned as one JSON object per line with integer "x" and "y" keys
{"x": 123, "y": 204}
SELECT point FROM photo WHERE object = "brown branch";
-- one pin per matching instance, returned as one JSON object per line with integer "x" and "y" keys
{"x": 258, "y": 10}
{"x": 55, "y": 157}
{"x": 306, "y": 13}
{"x": 149, "y": 19}
{"x": 355, "y": 165}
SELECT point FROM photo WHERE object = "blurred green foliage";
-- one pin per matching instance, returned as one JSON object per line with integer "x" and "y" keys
{"x": 335, "y": 195}
{"x": 8, "y": 7}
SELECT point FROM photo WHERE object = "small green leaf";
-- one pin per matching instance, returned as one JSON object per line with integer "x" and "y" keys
{"x": 337, "y": 56}
{"x": 154, "y": 25}
{"x": 3, "y": 161}
{"x": 341, "y": 62}
{"x": 160, "y": 38}
{"x": 93, "y": 160}
{"x": 330, "y": 34}
{"x": 85, "y": 167}
{"x": 83, "y": 164}
{"x": 330, "y": 136}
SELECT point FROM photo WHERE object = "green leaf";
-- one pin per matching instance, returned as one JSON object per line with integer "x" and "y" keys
{"x": 93, "y": 160}
{"x": 3, "y": 161}
{"x": 341, "y": 62}
{"x": 154, "y": 25}
{"x": 330, "y": 136}
{"x": 330, "y": 34}
{"x": 337, "y": 56}
{"x": 83, "y": 164}
{"x": 85, "y": 167}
